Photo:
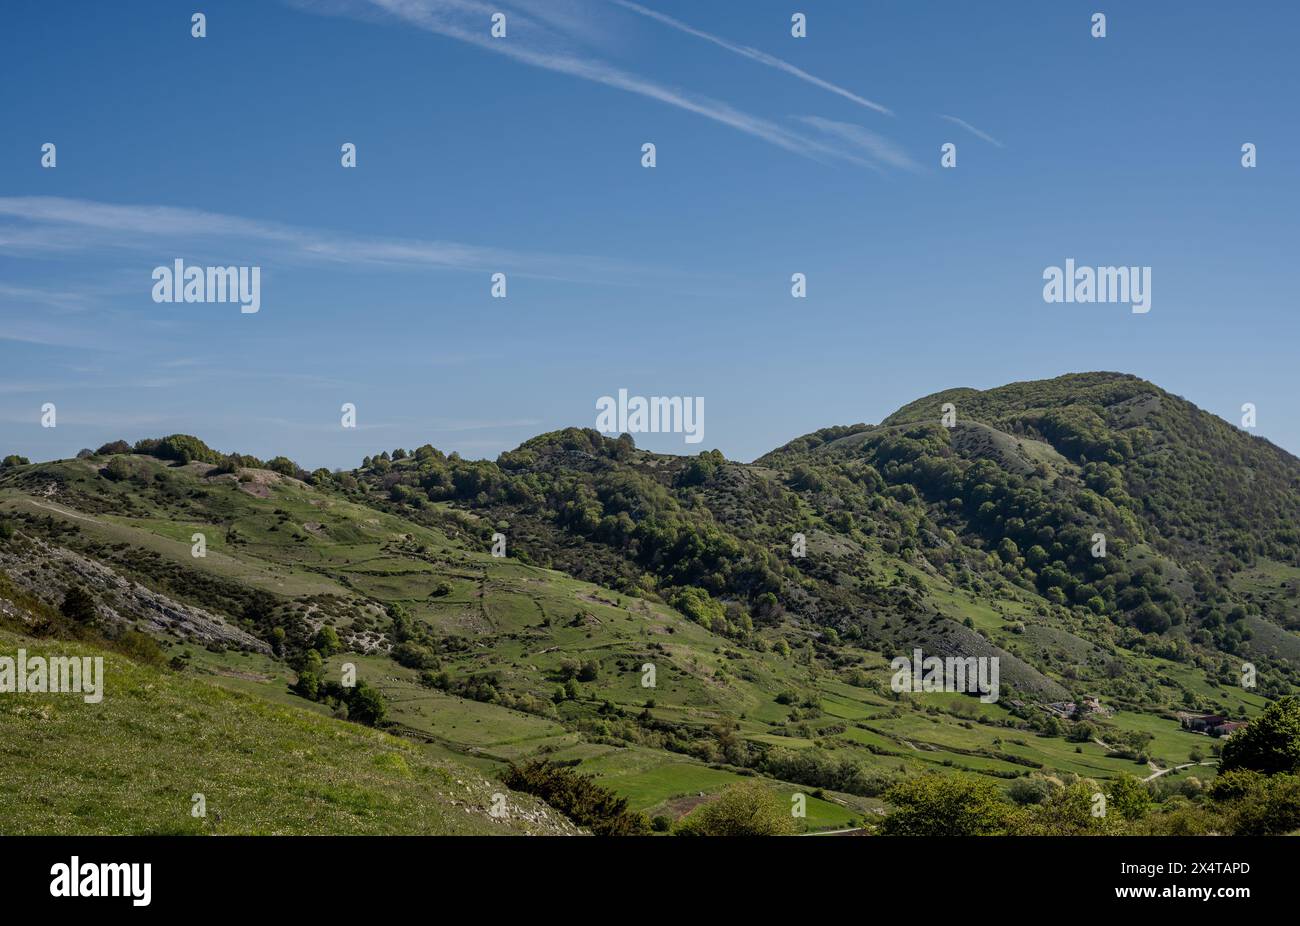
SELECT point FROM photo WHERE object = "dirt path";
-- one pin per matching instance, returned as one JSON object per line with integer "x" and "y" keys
{"x": 67, "y": 514}
{"x": 1176, "y": 768}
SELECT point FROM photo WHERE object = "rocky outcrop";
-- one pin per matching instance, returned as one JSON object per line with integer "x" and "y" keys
{"x": 47, "y": 571}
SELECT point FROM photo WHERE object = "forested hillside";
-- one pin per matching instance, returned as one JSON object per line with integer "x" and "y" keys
{"x": 646, "y": 641}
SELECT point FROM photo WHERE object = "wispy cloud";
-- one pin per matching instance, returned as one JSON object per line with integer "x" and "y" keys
{"x": 100, "y": 420}
{"x": 877, "y": 149}
{"x": 75, "y": 224}
{"x": 754, "y": 55}
{"x": 408, "y": 425}
{"x": 12, "y": 388}
{"x": 66, "y": 300}
{"x": 542, "y": 46}
{"x": 974, "y": 131}
{"x": 24, "y": 331}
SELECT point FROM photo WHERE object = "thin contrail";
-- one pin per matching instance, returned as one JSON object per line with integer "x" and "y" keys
{"x": 974, "y": 131}
{"x": 755, "y": 55}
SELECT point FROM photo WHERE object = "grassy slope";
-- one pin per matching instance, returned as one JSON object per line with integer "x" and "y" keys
{"x": 363, "y": 554}
{"x": 520, "y": 620}
{"x": 132, "y": 763}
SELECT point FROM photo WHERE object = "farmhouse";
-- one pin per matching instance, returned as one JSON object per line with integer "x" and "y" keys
{"x": 1201, "y": 723}
{"x": 1211, "y": 724}
{"x": 1227, "y": 729}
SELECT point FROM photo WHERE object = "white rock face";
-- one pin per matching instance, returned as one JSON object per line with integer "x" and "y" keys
{"x": 46, "y": 571}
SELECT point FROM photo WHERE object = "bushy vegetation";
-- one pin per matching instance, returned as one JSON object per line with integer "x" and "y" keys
{"x": 744, "y": 809}
{"x": 978, "y": 539}
{"x": 1256, "y": 794}
{"x": 1270, "y": 744}
{"x": 185, "y": 448}
{"x": 977, "y": 503}
{"x": 578, "y": 797}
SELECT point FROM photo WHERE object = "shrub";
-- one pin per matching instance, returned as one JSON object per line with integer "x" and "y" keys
{"x": 578, "y": 797}
{"x": 1270, "y": 808}
{"x": 746, "y": 808}
{"x": 1032, "y": 790}
{"x": 118, "y": 470}
{"x": 414, "y": 656}
{"x": 139, "y": 647}
{"x": 326, "y": 641}
{"x": 934, "y": 805}
{"x": 441, "y": 590}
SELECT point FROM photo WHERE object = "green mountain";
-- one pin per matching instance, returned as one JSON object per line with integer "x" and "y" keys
{"x": 675, "y": 626}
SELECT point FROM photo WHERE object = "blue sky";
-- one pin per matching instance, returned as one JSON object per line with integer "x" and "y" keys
{"x": 522, "y": 155}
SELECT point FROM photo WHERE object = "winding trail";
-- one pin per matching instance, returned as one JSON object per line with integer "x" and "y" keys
{"x": 1176, "y": 768}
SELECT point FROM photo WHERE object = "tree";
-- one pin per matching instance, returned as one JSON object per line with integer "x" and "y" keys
{"x": 700, "y": 470}
{"x": 14, "y": 460}
{"x": 746, "y": 808}
{"x": 1071, "y": 811}
{"x": 1270, "y": 744}
{"x": 1259, "y": 805}
{"x": 414, "y": 656}
{"x": 1030, "y": 790}
{"x": 622, "y": 447}
{"x": 1150, "y": 619}
{"x": 936, "y": 805}
{"x": 366, "y": 705}
{"x": 326, "y": 641}
{"x": 118, "y": 470}
{"x": 284, "y": 466}
{"x": 79, "y": 605}
{"x": 696, "y": 604}
{"x": 309, "y": 676}
{"x": 1129, "y": 797}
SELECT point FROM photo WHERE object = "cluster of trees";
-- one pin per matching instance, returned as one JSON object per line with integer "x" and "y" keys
{"x": 816, "y": 769}
{"x": 1256, "y": 793}
{"x": 747, "y": 808}
{"x": 185, "y": 448}
{"x": 571, "y": 482}
{"x": 361, "y": 702}
{"x": 1039, "y": 527}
